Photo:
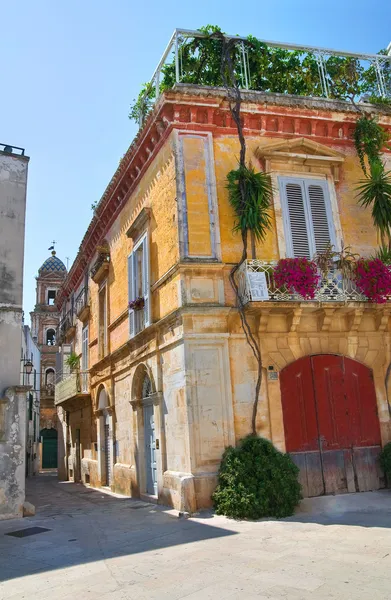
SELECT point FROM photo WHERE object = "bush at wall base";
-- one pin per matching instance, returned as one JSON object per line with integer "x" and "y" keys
{"x": 256, "y": 480}
{"x": 385, "y": 462}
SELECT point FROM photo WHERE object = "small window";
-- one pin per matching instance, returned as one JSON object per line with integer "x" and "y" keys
{"x": 50, "y": 337}
{"x": 51, "y": 297}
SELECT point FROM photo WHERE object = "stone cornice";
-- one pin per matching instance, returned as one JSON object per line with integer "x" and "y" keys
{"x": 197, "y": 108}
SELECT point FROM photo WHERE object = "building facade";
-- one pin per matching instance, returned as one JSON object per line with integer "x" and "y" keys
{"x": 13, "y": 188}
{"x": 31, "y": 354}
{"x": 164, "y": 384}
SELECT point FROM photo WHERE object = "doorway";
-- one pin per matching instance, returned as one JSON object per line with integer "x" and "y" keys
{"x": 149, "y": 439}
{"x": 49, "y": 448}
{"x": 331, "y": 424}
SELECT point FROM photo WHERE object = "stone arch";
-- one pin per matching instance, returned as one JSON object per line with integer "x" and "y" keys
{"x": 284, "y": 351}
{"x": 141, "y": 373}
{"x": 102, "y": 398}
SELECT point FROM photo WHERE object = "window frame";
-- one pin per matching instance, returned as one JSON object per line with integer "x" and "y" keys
{"x": 146, "y": 271}
{"x": 304, "y": 182}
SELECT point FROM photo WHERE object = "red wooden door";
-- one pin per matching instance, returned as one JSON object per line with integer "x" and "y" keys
{"x": 331, "y": 424}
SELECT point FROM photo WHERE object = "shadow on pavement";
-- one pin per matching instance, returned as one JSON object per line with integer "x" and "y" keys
{"x": 86, "y": 525}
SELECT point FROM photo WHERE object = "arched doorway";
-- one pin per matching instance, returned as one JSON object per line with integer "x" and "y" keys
{"x": 149, "y": 437}
{"x": 331, "y": 424}
{"x": 105, "y": 437}
{"x": 49, "y": 448}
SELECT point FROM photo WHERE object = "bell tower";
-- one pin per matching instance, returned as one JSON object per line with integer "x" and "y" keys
{"x": 44, "y": 322}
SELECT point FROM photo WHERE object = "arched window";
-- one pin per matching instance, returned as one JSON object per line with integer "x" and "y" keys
{"x": 147, "y": 387}
{"x": 51, "y": 337}
{"x": 49, "y": 377}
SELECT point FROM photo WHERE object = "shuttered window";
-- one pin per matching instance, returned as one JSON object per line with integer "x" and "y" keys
{"x": 307, "y": 216}
{"x": 139, "y": 286}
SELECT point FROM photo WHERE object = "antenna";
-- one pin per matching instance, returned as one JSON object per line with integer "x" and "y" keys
{"x": 67, "y": 259}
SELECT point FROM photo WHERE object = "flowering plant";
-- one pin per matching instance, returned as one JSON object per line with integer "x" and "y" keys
{"x": 137, "y": 304}
{"x": 298, "y": 275}
{"x": 373, "y": 278}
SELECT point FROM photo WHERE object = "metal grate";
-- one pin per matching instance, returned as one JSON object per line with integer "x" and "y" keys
{"x": 21, "y": 533}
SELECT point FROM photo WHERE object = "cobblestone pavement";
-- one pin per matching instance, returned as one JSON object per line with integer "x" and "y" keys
{"x": 113, "y": 548}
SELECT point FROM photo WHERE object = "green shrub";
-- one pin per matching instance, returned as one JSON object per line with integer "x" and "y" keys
{"x": 255, "y": 481}
{"x": 385, "y": 461}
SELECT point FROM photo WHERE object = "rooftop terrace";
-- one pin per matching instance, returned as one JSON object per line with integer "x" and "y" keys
{"x": 193, "y": 57}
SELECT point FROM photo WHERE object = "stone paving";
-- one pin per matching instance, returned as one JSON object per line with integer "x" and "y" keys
{"x": 115, "y": 548}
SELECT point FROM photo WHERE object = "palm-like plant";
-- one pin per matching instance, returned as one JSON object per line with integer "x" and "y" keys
{"x": 375, "y": 191}
{"x": 252, "y": 214}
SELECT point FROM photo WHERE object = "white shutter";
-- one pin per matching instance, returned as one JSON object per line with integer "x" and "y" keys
{"x": 146, "y": 285}
{"x": 307, "y": 216}
{"x": 321, "y": 226}
{"x": 296, "y": 227}
{"x": 131, "y": 294}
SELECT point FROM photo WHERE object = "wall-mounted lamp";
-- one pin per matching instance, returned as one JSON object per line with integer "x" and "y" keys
{"x": 28, "y": 367}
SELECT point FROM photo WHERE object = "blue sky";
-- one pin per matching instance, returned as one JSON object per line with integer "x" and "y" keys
{"x": 70, "y": 70}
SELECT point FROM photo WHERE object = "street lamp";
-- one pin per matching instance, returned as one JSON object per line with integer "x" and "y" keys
{"x": 28, "y": 367}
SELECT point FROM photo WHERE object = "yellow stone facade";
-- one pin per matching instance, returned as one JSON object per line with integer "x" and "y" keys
{"x": 201, "y": 369}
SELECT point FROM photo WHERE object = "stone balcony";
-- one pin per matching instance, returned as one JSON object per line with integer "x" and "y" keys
{"x": 338, "y": 305}
{"x": 71, "y": 388}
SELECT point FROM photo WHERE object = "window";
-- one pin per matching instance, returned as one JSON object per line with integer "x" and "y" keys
{"x": 49, "y": 377}
{"x": 84, "y": 358}
{"x": 308, "y": 221}
{"x": 51, "y": 337}
{"x": 138, "y": 286}
{"x": 51, "y": 297}
{"x": 102, "y": 339}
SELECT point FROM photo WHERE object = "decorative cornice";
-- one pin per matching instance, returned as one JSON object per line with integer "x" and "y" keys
{"x": 139, "y": 224}
{"x": 204, "y": 109}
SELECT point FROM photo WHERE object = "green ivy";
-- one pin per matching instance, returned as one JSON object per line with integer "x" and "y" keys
{"x": 256, "y": 481}
{"x": 369, "y": 139}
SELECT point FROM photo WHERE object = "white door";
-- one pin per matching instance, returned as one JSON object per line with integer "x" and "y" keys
{"x": 107, "y": 450}
{"x": 150, "y": 450}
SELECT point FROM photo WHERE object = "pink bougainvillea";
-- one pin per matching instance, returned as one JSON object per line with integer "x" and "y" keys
{"x": 373, "y": 278}
{"x": 297, "y": 275}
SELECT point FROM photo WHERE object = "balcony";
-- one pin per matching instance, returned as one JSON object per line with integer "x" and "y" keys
{"x": 67, "y": 326}
{"x": 256, "y": 284}
{"x": 71, "y": 388}
{"x": 100, "y": 267}
{"x": 82, "y": 306}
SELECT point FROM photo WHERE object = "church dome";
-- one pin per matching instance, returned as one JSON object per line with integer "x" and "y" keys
{"x": 52, "y": 265}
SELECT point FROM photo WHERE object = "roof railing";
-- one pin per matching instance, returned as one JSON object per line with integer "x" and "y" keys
{"x": 179, "y": 37}
{"x": 8, "y": 149}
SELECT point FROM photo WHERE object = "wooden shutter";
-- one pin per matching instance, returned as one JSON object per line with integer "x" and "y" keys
{"x": 319, "y": 206}
{"x": 308, "y": 222}
{"x": 131, "y": 294}
{"x": 298, "y": 243}
{"x": 146, "y": 285}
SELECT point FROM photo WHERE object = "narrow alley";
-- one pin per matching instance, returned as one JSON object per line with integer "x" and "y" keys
{"x": 96, "y": 545}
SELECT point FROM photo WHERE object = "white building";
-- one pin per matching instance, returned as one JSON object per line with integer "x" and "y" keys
{"x": 31, "y": 360}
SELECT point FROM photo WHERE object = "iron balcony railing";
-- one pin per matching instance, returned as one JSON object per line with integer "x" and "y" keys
{"x": 256, "y": 284}
{"x": 81, "y": 301}
{"x": 175, "y": 48}
{"x": 67, "y": 321}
